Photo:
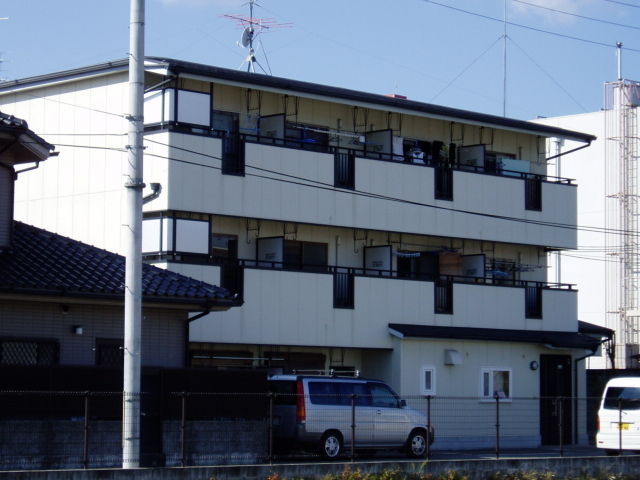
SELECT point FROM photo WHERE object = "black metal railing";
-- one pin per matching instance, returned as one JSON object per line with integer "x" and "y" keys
{"x": 443, "y": 295}
{"x": 303, "y": 144}
{"x": 533, "y": 300}
{"x": 533, "y": 194}
{"x": 443, "y": 182}
{"x": 344, "y": 170}
{"x": 343, "y": 290}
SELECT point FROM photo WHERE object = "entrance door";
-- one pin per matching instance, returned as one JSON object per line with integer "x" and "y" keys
{"x": 555, "y": 399}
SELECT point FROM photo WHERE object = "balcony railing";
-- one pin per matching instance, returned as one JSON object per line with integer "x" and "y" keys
{"x": 202, "y": 259}
{"x": 306, "y": 144}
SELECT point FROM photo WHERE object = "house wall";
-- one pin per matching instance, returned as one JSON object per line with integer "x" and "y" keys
{"x": 80, "y": 193}
{"x": 163, "y": 331}
{"x": 458, "y": 389}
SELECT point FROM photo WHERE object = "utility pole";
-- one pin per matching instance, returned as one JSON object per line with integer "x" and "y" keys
{"x": 133, "y": 243}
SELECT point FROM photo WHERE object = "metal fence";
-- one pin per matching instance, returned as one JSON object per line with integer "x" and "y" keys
{"x": 84, "y": 429}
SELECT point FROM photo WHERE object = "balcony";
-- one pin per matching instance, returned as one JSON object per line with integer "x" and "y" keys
{"x": 344, "y": 306}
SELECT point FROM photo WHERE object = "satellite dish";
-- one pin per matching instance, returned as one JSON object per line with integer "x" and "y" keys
{"x": 247, "y": 36}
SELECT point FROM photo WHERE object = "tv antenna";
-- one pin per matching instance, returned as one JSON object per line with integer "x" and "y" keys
{"x": 252, "y": 27}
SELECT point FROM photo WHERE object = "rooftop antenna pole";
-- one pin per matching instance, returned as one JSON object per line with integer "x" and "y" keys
{"x": 251, "y": 59}
{"x": 504, "y": 76}
{"x": 133, "y": 244}
{"x": 252, "y": 27}
{"x": 619, "y": 55}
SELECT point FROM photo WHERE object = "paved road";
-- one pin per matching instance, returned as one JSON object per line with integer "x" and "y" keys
{"x": 542, "y": 452}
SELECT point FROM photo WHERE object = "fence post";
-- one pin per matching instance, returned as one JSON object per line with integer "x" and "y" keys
{"x": 561, "y": 425}
{"x": 353, "y": 426}
{"x": 619, "y": 426}
{"x": 183, "y": 425}
{"x": 271, "y": 395}
{"x": 497, "y": 397}
{"x": 85, "y": 449}
{"x": 428, "y": 427}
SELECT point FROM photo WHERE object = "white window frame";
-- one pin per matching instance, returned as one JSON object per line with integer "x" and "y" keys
{"x": 423, "y": 387}
{"x": 490, "y": 371}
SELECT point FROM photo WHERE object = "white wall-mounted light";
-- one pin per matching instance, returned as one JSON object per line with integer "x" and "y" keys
{"x": 78, "y": 330}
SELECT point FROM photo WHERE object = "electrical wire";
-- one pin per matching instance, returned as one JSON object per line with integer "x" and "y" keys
{"x": 623, "y": 3}
{"x": 307, "y": 182}
{"x": 584, "y": 109}
{"x": 465, "y": 70}
{"x": 297, "y": 180}
{"x": 577, "y": 15}
{"x": 539, "y": 30}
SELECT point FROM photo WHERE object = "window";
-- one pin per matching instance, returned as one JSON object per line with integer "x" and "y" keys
{"x": 627, "y": 398}
{"x": 495, "y": 382}
{"x": 109, "y": 352}
{"x": 224, "y": 246}
{"x": 310, "y": 256}
{"x": 383, "y": 396}
{"x": 28, "y": 352}
{"x": 428, "y": 380}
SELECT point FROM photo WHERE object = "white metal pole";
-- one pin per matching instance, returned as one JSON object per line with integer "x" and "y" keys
{"x": 559, "y": 142}
{"x": 619, "y": 57}
{"x": 133, "y": 244}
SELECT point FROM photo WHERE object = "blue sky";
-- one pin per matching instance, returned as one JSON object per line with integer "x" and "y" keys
{"x": 430, "y": 51}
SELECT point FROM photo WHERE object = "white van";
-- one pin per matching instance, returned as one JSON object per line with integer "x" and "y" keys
{"x": 619, "y": 416}
{"x": 318, "y": 411}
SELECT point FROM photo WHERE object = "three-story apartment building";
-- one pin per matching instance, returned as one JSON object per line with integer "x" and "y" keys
{"x": 365, "y": 232}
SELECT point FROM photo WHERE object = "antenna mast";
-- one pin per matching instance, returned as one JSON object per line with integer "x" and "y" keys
{"x": 251, "y": 28}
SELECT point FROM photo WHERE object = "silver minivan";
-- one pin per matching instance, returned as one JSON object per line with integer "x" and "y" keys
{"x": 619, "y": 416}
{"x": 327, "y": 412}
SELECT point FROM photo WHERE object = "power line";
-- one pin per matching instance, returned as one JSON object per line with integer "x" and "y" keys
{"x": 576, "y": 15}
{"x": 549, "y": 75}
{"x": 307, "y": 182}
{"x": 623, "y": 3}
{"x": 464, "y": 70}
{"x": 539, "y": 30}
{"x": 297, "y": 180}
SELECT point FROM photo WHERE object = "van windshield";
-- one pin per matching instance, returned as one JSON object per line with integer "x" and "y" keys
{"x": 627, "y": 398}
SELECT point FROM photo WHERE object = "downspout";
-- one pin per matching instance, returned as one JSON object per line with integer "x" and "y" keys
{"x": 575, "y": 397}
{"x": 568, "y": 151}
{"x": 186, "y": 333}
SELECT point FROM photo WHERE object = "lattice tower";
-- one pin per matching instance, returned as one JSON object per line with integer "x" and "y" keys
{"x": 622, "y": 209}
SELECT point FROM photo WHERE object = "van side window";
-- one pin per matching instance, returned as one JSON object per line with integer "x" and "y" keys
{"x": 627, "y": 398}
{"x": 382, "y": 396}
{"x": 338, "y": 393}
{"x": 285, "y": 392}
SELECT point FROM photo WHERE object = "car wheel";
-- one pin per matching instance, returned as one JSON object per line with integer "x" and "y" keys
{"x": 331, "y": 445}
{"x": 417, "y": 444}
{"x": 612, "y": 453}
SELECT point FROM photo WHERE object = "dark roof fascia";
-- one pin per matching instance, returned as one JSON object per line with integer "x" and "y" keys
{"x": 147, "y": 300}
{"x": 66, "y": 75}
{"x": 574, "y": 340}
{"x": 179, "y": 66}
{"x": 17, "y": 127}
{"x": 182, "y": 67}
{"x": 593, "y": 329}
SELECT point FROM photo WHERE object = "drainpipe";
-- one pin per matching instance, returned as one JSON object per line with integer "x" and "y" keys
{"x": 186, "y": 333}
{"x": 575, "y": 397}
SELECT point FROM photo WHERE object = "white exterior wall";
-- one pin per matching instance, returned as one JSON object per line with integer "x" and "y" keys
{"x": 586, "y": 268}
{"x": 460, "y": 417}
{"x": 296, "y": 308}
{"x": 80, "y": 193}
{"x": 205, "y": 189}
